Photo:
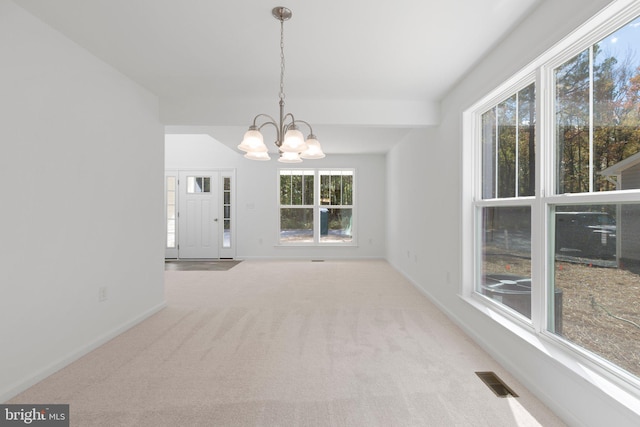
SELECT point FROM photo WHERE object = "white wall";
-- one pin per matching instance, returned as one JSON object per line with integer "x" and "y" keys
{"x": 257, "y": 197}
{"x": 81, "y": 166}
{"x": 424, "y": 205}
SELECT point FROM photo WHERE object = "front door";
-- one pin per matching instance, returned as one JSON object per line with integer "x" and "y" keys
{"x": 198, "y": 221}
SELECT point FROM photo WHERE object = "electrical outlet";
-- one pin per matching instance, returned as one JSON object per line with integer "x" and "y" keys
{"x": 102, "y": 294}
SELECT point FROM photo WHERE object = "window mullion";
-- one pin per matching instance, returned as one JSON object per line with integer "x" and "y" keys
{"x": 517, "y": 147}
{"x": 317, "y": 185}
{"x": 542, "y": 227}
{"x": 591, "y": 153}
{"x": 497, "y": 155}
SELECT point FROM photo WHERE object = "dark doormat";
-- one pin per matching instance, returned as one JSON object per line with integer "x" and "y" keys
{"x": 199, "y": 265}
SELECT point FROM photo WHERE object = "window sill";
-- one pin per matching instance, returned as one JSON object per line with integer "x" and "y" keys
{"x": 316, "y": 245}
{"x": 620, "y": 385}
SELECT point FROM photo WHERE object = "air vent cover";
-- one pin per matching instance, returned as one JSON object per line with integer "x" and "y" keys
{"x": 496, "y": 384}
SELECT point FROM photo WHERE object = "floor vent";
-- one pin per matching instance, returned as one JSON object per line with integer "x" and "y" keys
{"x": 317, "y": 260}
{"x": 496, "y": 384}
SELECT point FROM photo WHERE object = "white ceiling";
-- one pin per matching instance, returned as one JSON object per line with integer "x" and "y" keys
{"x": 362, "y": 72}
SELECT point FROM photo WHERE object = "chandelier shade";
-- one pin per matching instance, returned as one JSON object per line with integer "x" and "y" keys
{"x": 258, "y": 155}
{"x": 290, "y": 140}
{"x": 313, "y": 150}
{"x": 293, "y": 142}
{"x": 253, "y": 142}
{"x": 290, "y": 157}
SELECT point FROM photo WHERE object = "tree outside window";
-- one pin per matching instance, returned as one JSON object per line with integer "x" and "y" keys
{"x": 316, "y": 206}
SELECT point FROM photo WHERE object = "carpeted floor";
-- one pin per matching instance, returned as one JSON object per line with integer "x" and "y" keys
{"x": 290, "y": 343}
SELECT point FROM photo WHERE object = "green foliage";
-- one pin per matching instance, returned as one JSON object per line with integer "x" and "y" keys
{"x": 336, "y": 190}
{"x": 615, "y": 127}
{"x": 509, "y": 141}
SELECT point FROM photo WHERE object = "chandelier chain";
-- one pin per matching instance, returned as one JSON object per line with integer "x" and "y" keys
{"x": 281, "y": 59}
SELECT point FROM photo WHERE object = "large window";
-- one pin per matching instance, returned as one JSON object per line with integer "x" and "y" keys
{"x": 316, "y": 206}
{"x": 555, "y": 214}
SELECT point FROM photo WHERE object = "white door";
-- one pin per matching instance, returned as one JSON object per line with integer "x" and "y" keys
{"x": 198, "y": 220}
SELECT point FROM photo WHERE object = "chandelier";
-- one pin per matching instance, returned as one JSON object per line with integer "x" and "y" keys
{"x": 289, "y": 139}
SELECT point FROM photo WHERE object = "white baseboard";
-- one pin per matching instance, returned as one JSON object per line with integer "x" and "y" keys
{"x": 31, "y": 380}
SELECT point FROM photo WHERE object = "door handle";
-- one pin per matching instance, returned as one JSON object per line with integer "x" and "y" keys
{"x": 215, "y": 220}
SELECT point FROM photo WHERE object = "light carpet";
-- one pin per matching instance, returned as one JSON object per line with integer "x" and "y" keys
{"x": 290, "y": 343}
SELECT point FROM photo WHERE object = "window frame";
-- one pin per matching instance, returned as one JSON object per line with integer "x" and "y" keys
{"x": 317, "y": 205}
{"x": 541, "y": 72}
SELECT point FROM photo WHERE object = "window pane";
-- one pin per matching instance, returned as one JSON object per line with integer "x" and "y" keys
{"x": 325, "y": 188}
{"x": 285, "y": 189}
{"x": 507, "y": 148}
{"x": 308, "y": 190}
{"x": 336, "y": 190}
{"x": 171, "y": 212}
{"x": 489, "y": 154}
{"x": 171, "y": 241}
{"x": 591, "y": 151}
{"x": 226, "y": 220}
{"x": 616, "y": 95}
{"x": 506, "y": 257}
{"x": 296, "y": 189}
{"x": 171, "y": 233}
{"x": 585, "y": 232}
{"x": 226, "y": 234}
{"x": 596, "y": 280}
{"x": 526, "y": 141}
{"x": 335, "y": 225}
{"x": 347, "y": 189}
{"x": 296, "y": 225}
{"x": 198, "y": 184}
{"x": 572, "y": 125}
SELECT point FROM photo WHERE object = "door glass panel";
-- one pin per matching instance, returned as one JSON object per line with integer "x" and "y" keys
{"x": 198, "y": 184}
{"x": 226, "y": 233}
{"x": 171, "y": 212}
